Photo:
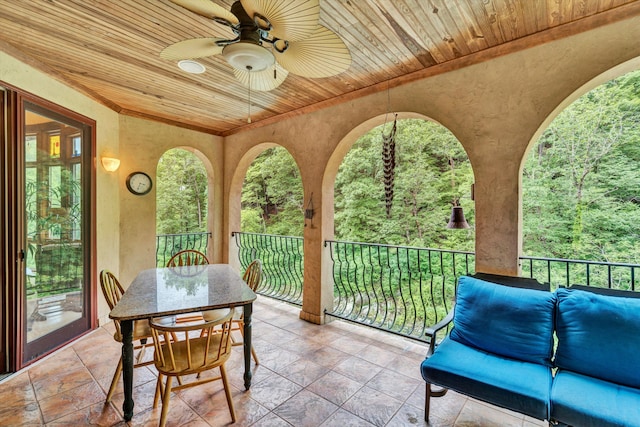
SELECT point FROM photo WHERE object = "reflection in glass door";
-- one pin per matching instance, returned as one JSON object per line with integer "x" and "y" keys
{"x": 56, "y": 295}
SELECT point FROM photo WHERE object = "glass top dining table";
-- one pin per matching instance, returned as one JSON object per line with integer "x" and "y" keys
{"x": 159, "y": 292}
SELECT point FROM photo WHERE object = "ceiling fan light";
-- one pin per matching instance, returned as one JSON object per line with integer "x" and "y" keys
{"x": 264, "y": 80}
{"x": 248, "y": 56}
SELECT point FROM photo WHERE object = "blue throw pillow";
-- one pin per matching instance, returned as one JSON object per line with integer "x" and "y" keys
{"x": 508, "y": 321}
{"x": 599, "y": 336}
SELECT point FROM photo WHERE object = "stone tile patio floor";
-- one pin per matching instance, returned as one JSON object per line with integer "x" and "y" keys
{"x": 339, "y": 374}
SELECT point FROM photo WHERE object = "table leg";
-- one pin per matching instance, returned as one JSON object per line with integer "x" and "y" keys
{"x": 248, "y": 309}
{"x": 126, "y": 327}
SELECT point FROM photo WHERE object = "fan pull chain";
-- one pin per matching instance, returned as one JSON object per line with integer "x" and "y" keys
{"x": 249, "y": 68}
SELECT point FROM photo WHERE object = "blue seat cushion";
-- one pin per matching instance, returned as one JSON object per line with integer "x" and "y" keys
{"x": 583, "y": 401}
{"x": 513, "y": 384}
{"x": 513, "y": 322}
{"x": 598, "y": 336}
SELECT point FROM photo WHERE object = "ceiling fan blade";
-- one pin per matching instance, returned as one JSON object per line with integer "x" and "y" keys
{"x": 207, "y": 8}
{"x": 323, "y": 54}
{"x": 191, "y": 49}
{"x": 262, "y": 80}
{"x": 291, "y": 19}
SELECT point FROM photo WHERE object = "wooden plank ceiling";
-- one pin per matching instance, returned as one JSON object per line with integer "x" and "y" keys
{"x": 110, "y": 50}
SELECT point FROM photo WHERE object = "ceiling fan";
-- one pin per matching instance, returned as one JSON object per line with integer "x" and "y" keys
{"x": 273, "y": 38}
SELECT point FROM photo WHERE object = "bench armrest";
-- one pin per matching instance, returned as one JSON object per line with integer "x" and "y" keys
{"x": 433, "y": 331}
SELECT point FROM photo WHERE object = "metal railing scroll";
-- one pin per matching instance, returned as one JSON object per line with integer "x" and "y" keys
{"x": 282, "y": 263}
{"x": 169, "y": 244}
{"x": 399, "y": 289}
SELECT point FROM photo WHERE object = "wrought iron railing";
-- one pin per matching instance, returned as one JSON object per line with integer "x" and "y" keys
{"x": 405, "y": 289}
{"x": 399, "y": 289}
{"x": 567, "y": 272}
{"x": 282, "y": 263}
{"x": 169, "y": 244}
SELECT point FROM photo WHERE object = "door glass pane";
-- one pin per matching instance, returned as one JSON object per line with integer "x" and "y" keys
{"x": 30, "y": 148}
{"x": 53, "y": 210}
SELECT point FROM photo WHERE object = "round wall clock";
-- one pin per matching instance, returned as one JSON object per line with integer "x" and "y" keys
{"x": 139, "y": 183}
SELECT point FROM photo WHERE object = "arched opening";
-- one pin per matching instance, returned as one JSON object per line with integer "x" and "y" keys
{"x": 394, "y": 261}
{"x": 182, "y": 204}
{"x": 272, "y": 195}
{"x": 271, "y": 221}
{"x": 580, "y": 200}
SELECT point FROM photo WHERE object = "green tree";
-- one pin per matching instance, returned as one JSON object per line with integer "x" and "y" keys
{"x": 181, "y": 193}
{"x": 580, "y": 182}
{"x": 424, "y": 188}
{"x": 272, "y": 198}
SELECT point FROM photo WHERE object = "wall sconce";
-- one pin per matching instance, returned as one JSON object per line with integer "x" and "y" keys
{"x": 110, "y": 164}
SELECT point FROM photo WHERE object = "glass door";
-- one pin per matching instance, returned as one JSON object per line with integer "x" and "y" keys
{"x": 56, "y": 187}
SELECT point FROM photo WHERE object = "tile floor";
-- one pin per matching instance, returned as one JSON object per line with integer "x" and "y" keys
{"x": 338, "y": 374}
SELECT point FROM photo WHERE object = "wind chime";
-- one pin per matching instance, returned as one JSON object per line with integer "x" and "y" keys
{"x": 389, "y": 164}
{"x": 457, "y": 220}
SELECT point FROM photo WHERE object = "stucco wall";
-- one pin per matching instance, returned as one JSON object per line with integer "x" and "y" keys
{"x": 142, "y": 143}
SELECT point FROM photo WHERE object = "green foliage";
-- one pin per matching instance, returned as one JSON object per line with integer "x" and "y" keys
{"x": 181, "y": 193}
{"x": 251, "y": 219}
{"x": 426, "y": 185}
{"x": 580, "y": 182}
{"x": 272, "y": 199}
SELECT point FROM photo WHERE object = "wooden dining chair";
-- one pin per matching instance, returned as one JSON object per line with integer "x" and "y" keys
{"x": 252, "y": 276}
{"x": 187, "y": 257}
{"x": 113, "y": 291}
{"x": 200, "y": 347}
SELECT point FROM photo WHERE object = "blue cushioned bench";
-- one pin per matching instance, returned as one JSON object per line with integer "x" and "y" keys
{"x": 570, "y": 356}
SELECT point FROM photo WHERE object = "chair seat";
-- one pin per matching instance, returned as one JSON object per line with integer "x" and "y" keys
{"x": 463, "y": 368}
{"x": 589, "y": 402}
{"x": 141, "y": 330}
{"x": 181, "y": 364}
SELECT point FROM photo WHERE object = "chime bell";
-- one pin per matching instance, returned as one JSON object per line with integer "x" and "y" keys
{"x": 457, "y": 220}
